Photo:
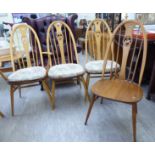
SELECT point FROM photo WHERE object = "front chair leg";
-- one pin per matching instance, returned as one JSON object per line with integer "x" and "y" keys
{"x": 46, "y": 88}
{"x": 86, "y": 92}
{"x": 90, "y": 108}
{"x": 20, "y": 92}
{"x": 12, "y": 99}
{"x": 134, "y": 113}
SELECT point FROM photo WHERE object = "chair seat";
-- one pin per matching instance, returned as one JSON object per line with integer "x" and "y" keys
{"x": 64, "y": 71}
{"x": 118, "y": 90}
{"x": 96, "y": 67}
{"x": 27, "y": 74}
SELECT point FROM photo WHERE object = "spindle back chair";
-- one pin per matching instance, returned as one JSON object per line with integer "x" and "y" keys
{"x": 63, "y": 57}
{"x": 129, "y": 41}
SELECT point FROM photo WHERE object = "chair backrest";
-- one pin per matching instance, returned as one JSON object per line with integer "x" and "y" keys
{"x": 97, "y": 37}
{"x": 129, "y": 41}
{"x": 61, "y": 44}
{"x": 25, "y": 47}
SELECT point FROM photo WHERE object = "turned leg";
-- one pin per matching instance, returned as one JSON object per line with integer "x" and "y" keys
{"x": 12, "y": 99}
{"x": 53, "y": 94}
{"x": 134, "y": 113}
{"x": 47, "y": 89}
{"x": 87, "y": 85}
{"x": 101, "y": 101}
{"x": 20, "y": 93}
{"x": 90, "y": 108}
{"x": 85, "y": 88}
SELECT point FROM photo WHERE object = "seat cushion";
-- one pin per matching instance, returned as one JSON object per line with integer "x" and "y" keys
{"x": 27, "y": 74}
{"x": 63, "y": 71}
{"x": 118, "y": 90}
{"x": 96, "y": 67}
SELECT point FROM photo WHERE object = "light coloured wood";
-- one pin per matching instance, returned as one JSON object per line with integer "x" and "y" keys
{"x": 120, "y": 87}
{"x": 61, "y": 37}
{"x": 63, "y": 40}
{"x": 29, "y": 55}
{"x": 118, "y": 90}
{"x": 97, "y": 38}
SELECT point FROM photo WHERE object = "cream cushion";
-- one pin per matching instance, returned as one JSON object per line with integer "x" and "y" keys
{"x": 26, "y": 74}
{"x": 63, "y": 71}
{"x": 96, "y": 67}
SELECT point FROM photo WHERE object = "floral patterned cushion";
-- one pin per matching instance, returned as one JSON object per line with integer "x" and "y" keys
{"x": 96, "y": 67}
{"x": 63, "y": 71}
{"x": 26, "y": 74}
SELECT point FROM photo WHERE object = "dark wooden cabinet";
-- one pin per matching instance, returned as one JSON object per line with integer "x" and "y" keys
{"x": 113, "y": 19}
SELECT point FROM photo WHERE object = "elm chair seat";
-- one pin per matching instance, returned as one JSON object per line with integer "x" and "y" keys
{"x": 96, "y": 66}
{"x": 63, "y": 71}
{"x": 28, "y": 74}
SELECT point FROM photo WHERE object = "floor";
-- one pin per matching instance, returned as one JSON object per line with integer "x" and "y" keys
{"x": 34, "y": 120}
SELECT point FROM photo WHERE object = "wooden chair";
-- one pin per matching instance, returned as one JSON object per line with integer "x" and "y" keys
{"x": 62, "y": 50}
{"x": 97, "y": 38}
{"x": 131, "y": 50}
{"x": 28, "y": 66}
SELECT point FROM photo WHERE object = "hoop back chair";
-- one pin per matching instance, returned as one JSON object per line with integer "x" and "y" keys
{"x": 130, "y": 48}
{"x": 26, "y": 60}
{"x": 62, "y": 49}
{"x": 97, "y": 37}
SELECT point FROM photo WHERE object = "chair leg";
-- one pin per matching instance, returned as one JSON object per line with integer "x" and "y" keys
{"x": 20, "y": 93}
{"x": 1, "y": 114}
{"x": 53, "y": 94}
{"x": 101, "y": 101}
{"x": 12, "y": 99}
{"x": 87, "y": 86}
{"x": 86, "y": 92}
{"x": 90, "y": 108}
{"x": 134, "y": 113}
{"x": 46, "y": 88}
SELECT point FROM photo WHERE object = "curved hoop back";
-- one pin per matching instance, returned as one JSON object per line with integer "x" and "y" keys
{"x": 129, "y": 42}
{"x": 97, "y": 37}
{"x": 25, "y": 48}
{"x": 61, "y": 44}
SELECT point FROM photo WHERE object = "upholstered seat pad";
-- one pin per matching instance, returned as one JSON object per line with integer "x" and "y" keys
{"x": 63, "y": 71}
{"x": 96, "y": 66}
{"x": 26, "y": 74}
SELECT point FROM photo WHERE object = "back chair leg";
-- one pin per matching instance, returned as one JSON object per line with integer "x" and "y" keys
{"x": 101, "y": 100}
{"x": 53, "y": 94}
{"x": 12, "y": 99}
{"x": 134, "y": 113}
{"x": 86, "y": 92}
{"x": 20, "y": 93}
{"x": 90, "y": 108}
{"x": 47, "y": 89}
